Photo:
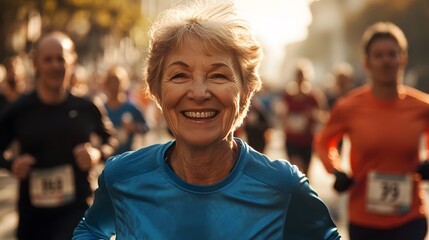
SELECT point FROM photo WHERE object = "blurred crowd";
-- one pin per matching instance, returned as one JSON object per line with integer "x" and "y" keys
{"x": 117, "y": 90}
{"x": 299, "y": 111}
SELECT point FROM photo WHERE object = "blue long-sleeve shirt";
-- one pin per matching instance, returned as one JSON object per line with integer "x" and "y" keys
{"x": 140, "y": 197}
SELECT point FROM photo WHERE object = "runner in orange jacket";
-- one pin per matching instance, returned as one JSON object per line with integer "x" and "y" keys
{"x": 384, "y": 121}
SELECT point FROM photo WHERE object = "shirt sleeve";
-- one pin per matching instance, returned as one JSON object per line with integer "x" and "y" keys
{"x": 7, "y": 134}
{"x": 326, "y": 141}
{"x": 308, "y": 217}
{"x": 98, "y": 222}
{"x": 105, "y": 130}
{"x": 140, "y": 119}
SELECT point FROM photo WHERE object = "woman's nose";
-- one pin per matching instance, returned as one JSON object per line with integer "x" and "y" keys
{"x": 199, "y": 90}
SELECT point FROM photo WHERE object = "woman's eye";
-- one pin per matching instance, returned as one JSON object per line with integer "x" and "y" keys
{"x": 179, "y": 78}
{"x": 219, "y": 77}
{"x": 179, "y": 75}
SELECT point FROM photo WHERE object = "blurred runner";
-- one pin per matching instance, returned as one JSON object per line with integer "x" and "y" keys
{"x": 343, "y": 82}
{"x": 13, "y": 84}
{"x": 257, "y": 125}
{"x": 54, "y": 130}
{"x": 125, "y": 116}
{"x": 385, "y": 121}
{"x": 304, "y": 108}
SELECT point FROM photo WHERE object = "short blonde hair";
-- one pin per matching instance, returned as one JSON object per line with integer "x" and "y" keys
{"x": 216, "y": 26}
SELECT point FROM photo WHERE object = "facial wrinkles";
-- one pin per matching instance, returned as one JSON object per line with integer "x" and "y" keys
{"x": 236, "y": 101}
{"x": 233, "y": 86}
{"x": 199, "y": 69}
{"x": 166, "y": 89}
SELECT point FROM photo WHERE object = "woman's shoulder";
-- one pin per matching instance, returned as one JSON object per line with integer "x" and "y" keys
{"x": 276, "y": 173}
{"x": 133, "y": 163}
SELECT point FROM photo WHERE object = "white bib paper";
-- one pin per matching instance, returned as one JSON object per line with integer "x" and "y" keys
{"x": 52, "y": 187}
{"x": 389, "y": 194}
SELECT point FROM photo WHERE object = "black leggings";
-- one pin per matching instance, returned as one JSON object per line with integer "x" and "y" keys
{"x": 413, "y": 230}
{"x": 48, "y": 225}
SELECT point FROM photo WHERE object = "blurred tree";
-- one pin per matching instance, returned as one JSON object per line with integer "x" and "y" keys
{"x": 411, "y": 16}
{"x": 322, "y": 42}
{"x": 88, "y": 22}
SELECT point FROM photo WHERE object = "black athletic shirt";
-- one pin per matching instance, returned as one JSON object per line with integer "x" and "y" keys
{"x": 49, "y": 133}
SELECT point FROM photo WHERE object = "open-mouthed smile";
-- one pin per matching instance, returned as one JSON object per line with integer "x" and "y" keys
{"x": 197, "y": 114}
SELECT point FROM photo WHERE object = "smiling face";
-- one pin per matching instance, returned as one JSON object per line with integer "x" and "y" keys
{"x": 200, "y": 94}
{"x": 54, "y": 63}
{"x": 385, "y": 62}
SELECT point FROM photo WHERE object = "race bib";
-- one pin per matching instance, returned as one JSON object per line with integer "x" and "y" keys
{"x": 389, "y": 194}
{"x": 52, "y": 187}
{"x": 296, "y": 123}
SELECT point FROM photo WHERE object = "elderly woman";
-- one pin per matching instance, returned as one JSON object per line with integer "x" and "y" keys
{"x": 206, "y": 184}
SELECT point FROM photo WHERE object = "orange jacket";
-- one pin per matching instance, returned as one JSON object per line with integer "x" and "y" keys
{"x": 385, "y": 136}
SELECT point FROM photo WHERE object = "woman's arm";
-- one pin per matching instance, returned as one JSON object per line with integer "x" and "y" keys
{"x": 308, "y": 217}
{"x": 98, "y": 222}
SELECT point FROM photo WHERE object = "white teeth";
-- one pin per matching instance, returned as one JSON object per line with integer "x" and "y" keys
{"x": 200, "y": 114}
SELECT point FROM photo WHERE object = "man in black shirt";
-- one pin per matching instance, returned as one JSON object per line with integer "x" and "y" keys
{"x": 54, "y": 130}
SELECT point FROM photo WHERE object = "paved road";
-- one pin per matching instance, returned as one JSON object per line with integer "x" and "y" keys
{"x": 8, "y": 216}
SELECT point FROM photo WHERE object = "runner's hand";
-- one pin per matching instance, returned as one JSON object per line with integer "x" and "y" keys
{"x": 342, "y": 181}
{"x": 423, "y": 170}
{"x": 21, "y": 166}
{"x": 86, "y": 156}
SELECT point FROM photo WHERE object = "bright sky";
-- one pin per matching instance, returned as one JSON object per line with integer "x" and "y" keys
{"x": 276, "y": 23}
